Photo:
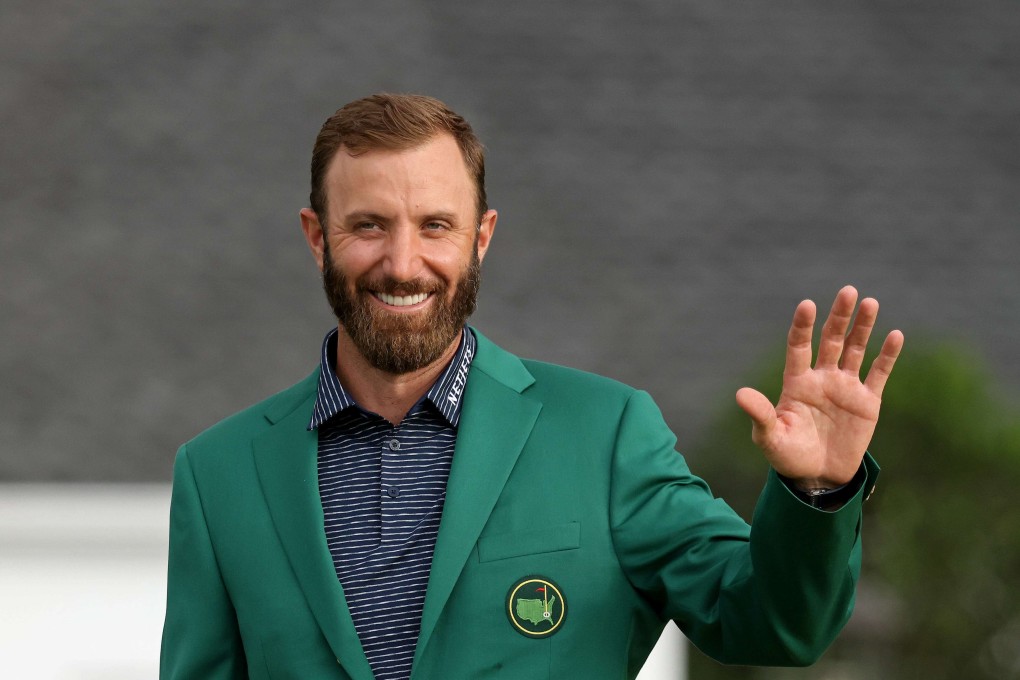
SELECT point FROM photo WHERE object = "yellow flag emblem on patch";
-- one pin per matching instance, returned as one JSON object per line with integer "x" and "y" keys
{"x": 536, "y": 607}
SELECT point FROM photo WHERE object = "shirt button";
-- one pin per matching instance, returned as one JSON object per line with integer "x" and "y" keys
{"x": 394, "y": 445}
{"x": 393, "y": 492}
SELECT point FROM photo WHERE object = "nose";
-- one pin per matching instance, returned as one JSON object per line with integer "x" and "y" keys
{"x": 403, "y": 260}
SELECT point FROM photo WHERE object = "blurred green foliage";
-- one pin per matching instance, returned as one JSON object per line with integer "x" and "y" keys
{"x": 939, "y": 596}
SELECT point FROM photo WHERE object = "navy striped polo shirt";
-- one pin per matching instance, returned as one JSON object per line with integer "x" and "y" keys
{"x": 382, "y": 490}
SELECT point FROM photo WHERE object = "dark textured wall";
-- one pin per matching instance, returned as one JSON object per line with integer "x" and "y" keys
{"x": 672, "y": 177}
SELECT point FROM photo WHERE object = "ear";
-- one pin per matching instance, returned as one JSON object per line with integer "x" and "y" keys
{"x": 485, "y": 229}
{"x": 314, "y": 234}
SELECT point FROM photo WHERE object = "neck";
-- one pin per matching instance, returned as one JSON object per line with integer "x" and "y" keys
{"x": 387, "y": 394}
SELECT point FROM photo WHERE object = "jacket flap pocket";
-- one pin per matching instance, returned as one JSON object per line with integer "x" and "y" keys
{"x": 541, "y": 539}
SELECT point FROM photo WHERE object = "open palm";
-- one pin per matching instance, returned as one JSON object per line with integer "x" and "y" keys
{"x": 821, "y": 426}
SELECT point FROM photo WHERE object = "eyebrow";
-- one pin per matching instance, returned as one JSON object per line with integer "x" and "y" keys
{"x": 443, "y": 215}
{"x": 359, "y": 215}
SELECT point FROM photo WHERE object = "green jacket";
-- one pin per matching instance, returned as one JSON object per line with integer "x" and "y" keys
{"x": 558, "y": 475}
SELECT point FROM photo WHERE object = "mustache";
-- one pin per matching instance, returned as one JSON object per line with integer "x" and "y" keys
{"x": 392, "y": 286}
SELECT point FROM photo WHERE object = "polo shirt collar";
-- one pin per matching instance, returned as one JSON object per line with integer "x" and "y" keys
{"x": 446, "y": 394}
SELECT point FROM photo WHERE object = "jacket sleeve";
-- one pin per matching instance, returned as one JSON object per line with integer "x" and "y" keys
{"x": 200, "y": 634}
{"x": 775, "y": 593}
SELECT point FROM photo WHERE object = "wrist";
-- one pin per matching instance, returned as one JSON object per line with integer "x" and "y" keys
{"x": 823, "y": 495}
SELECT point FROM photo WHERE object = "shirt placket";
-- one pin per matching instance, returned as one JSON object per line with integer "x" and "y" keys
{"x": 390, "y": 485}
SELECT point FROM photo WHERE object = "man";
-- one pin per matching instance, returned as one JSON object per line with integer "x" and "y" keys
{"x": 427, "y": 505}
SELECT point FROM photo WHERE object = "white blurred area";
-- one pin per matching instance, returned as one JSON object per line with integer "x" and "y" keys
{"x": 83, "y": 584}
{"x": 668, "y": 661}
{"x": 82, "y": 580}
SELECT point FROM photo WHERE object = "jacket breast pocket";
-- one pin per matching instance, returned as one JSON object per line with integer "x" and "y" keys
{"x": 541, "y": 539}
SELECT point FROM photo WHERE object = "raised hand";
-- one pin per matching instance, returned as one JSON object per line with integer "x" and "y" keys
{"x": 818, "y": 432}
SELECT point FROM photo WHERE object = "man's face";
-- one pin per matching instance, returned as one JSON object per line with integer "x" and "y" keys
{"x": 402, "y": 251}
{"x": 400, "y": 343}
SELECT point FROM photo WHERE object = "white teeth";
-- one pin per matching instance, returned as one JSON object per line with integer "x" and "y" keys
{"x": 402, "y": 300}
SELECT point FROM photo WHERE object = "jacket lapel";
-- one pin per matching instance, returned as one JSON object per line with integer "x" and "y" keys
{"x": 495, "y": 423}
{"x": 285, "y": 457}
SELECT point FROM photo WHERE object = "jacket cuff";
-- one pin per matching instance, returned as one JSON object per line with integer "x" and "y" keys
{"x": 862, "y": 484}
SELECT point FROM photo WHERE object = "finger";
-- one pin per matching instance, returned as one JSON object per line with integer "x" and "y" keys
{"x": 761, "y": 411}
{"x": 830, "y": 346}
{"x": 857, "y": 342}
{"x": 880, "y": 369}
{"x": 798, "y": 341}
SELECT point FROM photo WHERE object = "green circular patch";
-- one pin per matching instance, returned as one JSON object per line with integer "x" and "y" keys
{"x": 536, "y": 607}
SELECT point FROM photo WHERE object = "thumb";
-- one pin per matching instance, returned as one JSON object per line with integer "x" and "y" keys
{"x": 760, "y": 409}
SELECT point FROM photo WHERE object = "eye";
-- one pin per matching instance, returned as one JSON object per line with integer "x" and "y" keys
{"x": 366, "y": 226}
{"x": 436, "y": 226}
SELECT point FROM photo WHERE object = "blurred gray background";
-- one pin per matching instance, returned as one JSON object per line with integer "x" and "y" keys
{"x": 672, "y": 178}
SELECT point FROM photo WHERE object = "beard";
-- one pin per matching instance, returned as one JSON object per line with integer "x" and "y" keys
{"x": 401, "y": 343}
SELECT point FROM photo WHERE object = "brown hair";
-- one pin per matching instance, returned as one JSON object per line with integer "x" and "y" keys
{"x": 394, "y": 122}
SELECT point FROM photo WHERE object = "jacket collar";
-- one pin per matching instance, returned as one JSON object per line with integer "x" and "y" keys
{"x": 496, "y": 421}
{"x": 285, "y": 458}
{"x": 495, "y": 425}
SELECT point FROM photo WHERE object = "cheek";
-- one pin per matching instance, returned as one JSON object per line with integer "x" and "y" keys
{"x": 452, "y": 260}
{"x": 451, "y": 270}
{"x": 354, "y": 258}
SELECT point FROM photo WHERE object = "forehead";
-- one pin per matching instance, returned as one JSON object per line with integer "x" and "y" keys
{"x": 432, "y": 172}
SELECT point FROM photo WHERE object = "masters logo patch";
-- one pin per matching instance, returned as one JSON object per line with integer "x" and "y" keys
{"x": 535, "y": 607}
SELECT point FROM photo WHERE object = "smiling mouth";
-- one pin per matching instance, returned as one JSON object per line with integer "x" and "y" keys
{"x": 401, "y": 300}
